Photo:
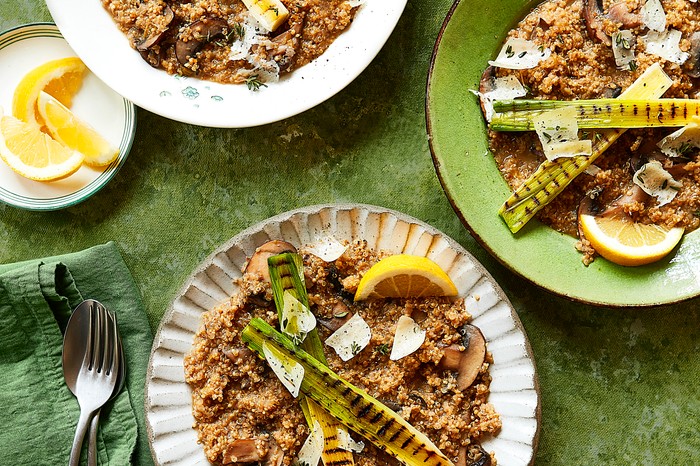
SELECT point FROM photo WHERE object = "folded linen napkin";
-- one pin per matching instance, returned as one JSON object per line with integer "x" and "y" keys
{"x": 39, "y": 413}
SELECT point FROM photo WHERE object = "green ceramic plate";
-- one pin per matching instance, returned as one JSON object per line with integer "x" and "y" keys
{"x": 471, "y": 35}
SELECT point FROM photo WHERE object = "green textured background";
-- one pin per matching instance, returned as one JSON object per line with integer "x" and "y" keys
{"x": 618, "y": 387}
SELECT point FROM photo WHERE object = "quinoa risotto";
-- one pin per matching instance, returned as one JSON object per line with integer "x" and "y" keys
{"x": 239, "y": 402}
{"x": 219, "y": 40}
{"x": 582, "y": 65}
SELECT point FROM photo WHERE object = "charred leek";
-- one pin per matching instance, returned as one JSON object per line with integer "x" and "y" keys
{"x": 553, "y": 176}
{"x": 286, "y": 277}
{"x": 520, "y": 115}
{"x": 347, "y": 403}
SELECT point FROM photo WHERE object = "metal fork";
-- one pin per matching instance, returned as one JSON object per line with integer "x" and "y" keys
{"x": 98, "y": 373}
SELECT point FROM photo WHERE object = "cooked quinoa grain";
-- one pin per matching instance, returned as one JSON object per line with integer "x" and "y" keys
{"x": 236, "y": 397}
{"x": 218, "y": 40}
{"x": 582, "y": 66}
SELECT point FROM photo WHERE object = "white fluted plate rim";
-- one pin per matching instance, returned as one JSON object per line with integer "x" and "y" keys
{"x": 514, "y": 388}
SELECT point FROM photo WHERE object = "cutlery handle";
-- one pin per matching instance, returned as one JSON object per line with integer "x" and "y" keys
{"x": 79, "y": 436}
{"x": 92, "y": 439}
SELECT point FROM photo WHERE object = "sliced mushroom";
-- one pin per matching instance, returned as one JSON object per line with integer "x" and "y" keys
{"x": 275, "y": 455}
{"x": 258, "y": 263}
{"x": 486, "y": 84}
{"x": 593, "y": 17}
{"x": 241, "y": 451}
{"x": 341, "y": 314}
{"x": 467, "y": 363}
{"x": 473, "y": 455}
{"x": 202, "y": 32}
{"x": 245, "y": 451}
{"x": 620, "y": 13}
{"x": 146, "y": 46}
{"x": 693, "y": 64}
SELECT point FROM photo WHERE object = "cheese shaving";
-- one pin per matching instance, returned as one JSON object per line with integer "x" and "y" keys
{"x": 623, "y": 43}
{"x": 347, "y": 443}
{"x": 666, "y": 45}
{"x": 653, "y": 15}
{"x": 657, "y": 182}
{"x": 558, "y": 133}
{"x": 297, "y": 320}
{"x": 288, "y": 371}
{"x": 328, "y": 249}
{"x": 407, "y": 339}
{"x": 507, "y": 87}
{"x": 520, "y": 54}
{"x": 351, "y": 338}
{"x": 683, "y": 140}
{"x": 311, "y": 450}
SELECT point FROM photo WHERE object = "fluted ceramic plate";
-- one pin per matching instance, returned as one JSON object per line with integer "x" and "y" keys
{"x": 514, "y": 389}
{"x": 471, "y": 35}
{"x": 21, "y": 50}
{"x": 96, "y": 39}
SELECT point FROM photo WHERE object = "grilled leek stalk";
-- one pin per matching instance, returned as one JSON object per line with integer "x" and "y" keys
{"x": 270, "y": 13}
{"x": 520, "y": 115}
{"x": 551, "y": 177}
{"x": 349, "y": 404}
{"x": 286, "y": 274}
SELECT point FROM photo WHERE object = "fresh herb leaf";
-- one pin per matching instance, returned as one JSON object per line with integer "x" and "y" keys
{"x": 254, "y": 83}
{"x": 383, "y": 349}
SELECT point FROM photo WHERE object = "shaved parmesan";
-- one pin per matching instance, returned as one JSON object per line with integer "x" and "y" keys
{"x": 592, "y": 170}
{"x": 297, "y": 319}
{"x": 407, "y": 339}
{"x": 328, "y": 249}
{"x": 288, "y": 371}
{"x": 653, "y": 15}
{"x": 347, "y": 443}
{"x": 657, "y": 182}
{"x": 623, "y": 49}
{"x": 351, "y": 338}
{"x": 680, "y": 142}
{"x": 252, "y": 35}
{"x": 558, "y": 133}
{"x": 311, "y": 450}
{"x": 666, "y": 45}
{"x": 507, "y": 87}
{"x": 520, "y": 54}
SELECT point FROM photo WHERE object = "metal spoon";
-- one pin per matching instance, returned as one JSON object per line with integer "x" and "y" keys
{"x": 90, "y": 363}
{"x": 121, "y": 377}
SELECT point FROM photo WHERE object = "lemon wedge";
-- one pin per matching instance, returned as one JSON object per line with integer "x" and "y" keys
{"x": 69, "y": 130}
{"x": 625, "y": 242}
{"x": 404, "y": 276}
{"x": 33, "y": 154}
{"x": 60, "y": 78}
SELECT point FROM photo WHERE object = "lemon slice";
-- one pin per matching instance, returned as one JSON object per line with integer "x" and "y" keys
{"x": 60, "y": 78}
{"x": 33, "y": 154}
{"x": 69, "y": 130}
{"x": 404, "y": 276}
{"x": 624, "y": 242}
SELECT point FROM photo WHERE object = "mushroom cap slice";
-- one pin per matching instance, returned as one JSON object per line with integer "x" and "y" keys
{"x": 472, "y": 357}
{"x": 202, "y": 31}
{"x": 258, "y": 262}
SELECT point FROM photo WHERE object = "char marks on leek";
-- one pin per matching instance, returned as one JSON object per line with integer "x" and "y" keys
{"x": 551, "y": 177}
{"x": 350, "y": 405}
{"x": 286, "y": 275}
{"x": 520, "y": 115}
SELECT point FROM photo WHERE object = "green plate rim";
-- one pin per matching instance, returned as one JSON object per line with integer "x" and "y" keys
{"x": 457, "y": 142}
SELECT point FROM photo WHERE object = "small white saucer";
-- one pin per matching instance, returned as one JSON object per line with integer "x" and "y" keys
{"x": 24, "y": 48}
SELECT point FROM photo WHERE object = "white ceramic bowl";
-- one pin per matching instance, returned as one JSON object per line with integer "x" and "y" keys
{"x": 92, "y": 33}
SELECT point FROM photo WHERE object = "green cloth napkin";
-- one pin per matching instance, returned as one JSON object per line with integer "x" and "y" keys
{"x": 39, "y": 413}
